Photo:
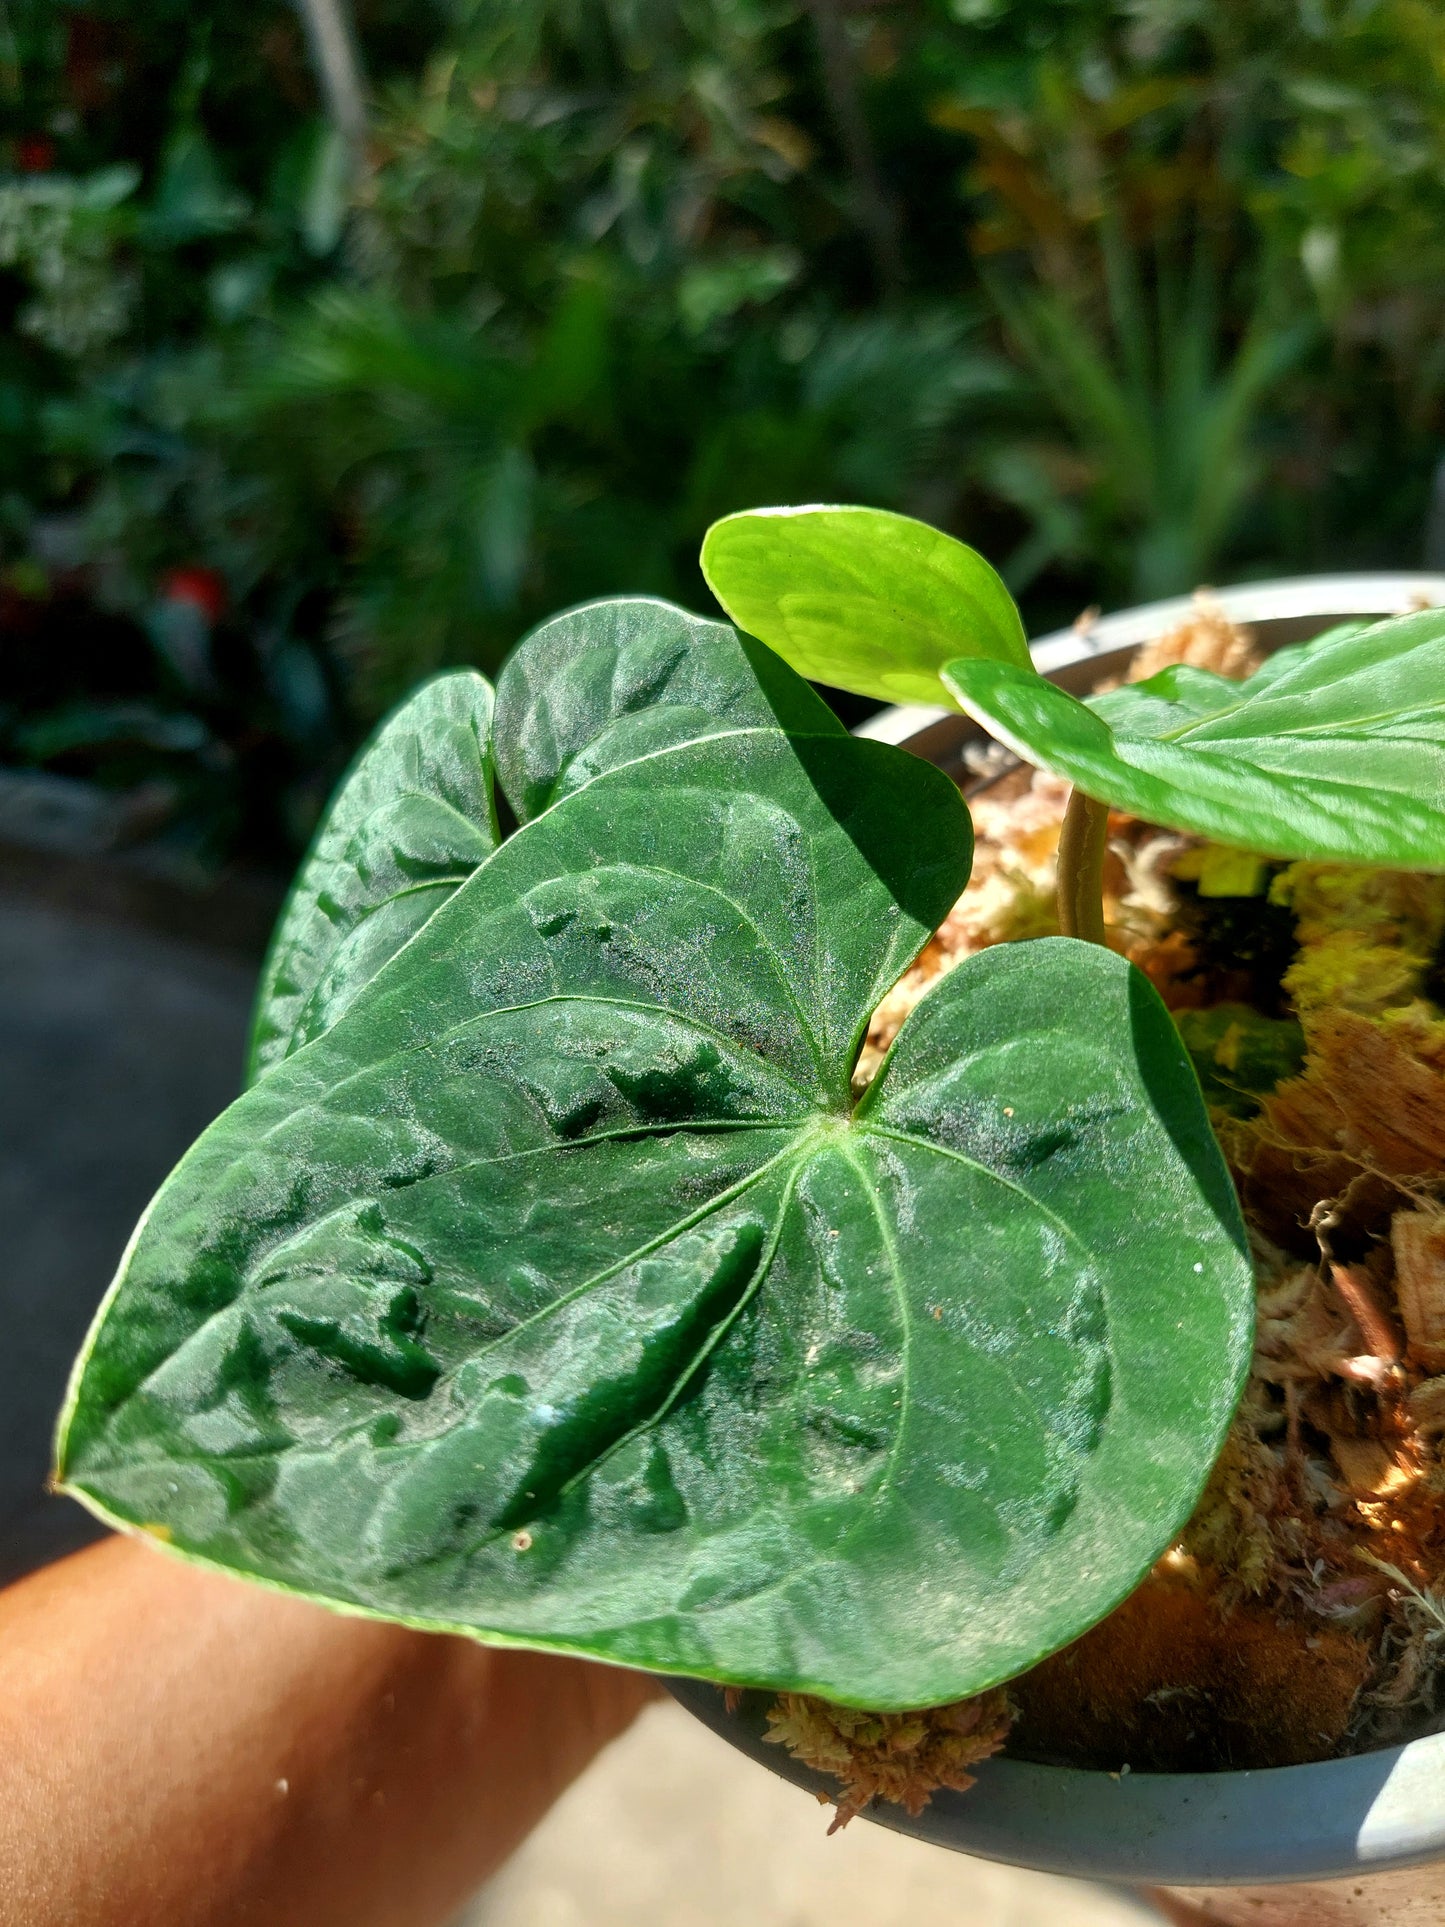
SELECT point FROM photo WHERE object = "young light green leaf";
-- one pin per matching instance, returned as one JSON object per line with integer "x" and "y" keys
{"x": 862, "y": 599}
{"x": 560, "y": 1294}
{"x": 1333, "y": 750}
{"x": 412, "y": 820}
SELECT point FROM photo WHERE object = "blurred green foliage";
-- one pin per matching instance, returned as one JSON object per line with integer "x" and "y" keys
{"x": 1131, "y": 293}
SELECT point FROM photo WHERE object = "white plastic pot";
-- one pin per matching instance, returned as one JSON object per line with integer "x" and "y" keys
{"x": 1365, "y": 1835}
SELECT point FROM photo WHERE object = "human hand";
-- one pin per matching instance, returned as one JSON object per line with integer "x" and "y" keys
{"x": 184, "y": 1750}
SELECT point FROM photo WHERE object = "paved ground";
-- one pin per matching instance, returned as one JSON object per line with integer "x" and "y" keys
{"x": 115, "y": 1048}
{"x": 673, "y": 1829}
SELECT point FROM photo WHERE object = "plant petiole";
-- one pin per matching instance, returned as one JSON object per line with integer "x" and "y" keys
{"x": 1082, "y": 842}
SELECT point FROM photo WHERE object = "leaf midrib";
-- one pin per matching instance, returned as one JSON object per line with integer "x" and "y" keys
{"x": 827, "y": 1087}
{"x": 1203, "y": 756}
{"x": 523, "y": 830}
{"x": 845, "y": 1146}
{"x": 1356, "y": 725}
{"x": 799, "y": 1148}
{"x": 425, "y": 1045}
{"x": 814, "y": 1136}
{"x": 1276, "y": 693}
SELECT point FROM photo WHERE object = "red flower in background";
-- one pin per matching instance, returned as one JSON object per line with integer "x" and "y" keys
{"x": 203, "y": 589}
{"x": 34, "y": 154}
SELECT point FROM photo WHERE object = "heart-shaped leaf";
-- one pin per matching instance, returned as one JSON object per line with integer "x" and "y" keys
{"x": 585, "y": 692}
{"x": 559, "y": 1292}
{"x": 413, "y": 819}
{"x": 862, "y": 599}
{"x": 1334, "y": 749}
{"x": 623, "y": 678}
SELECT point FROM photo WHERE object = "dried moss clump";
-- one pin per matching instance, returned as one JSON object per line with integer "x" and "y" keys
{"x": 902, "y": 1757}
{"x": 1206, "y": 639}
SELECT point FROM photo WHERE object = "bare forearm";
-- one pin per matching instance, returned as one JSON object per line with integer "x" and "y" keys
{"x": 183, "y": 1749}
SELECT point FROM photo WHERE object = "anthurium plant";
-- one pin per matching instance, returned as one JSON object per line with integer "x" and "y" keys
{"x": 554, "y": 1283}
{"x": 1334, "y": 749}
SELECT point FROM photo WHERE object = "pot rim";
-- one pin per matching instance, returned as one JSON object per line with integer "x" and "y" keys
{"x": 1369, "y": 1813}
{"x": 1330, "y": 1819}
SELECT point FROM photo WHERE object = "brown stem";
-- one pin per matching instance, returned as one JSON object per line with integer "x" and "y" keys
{"x": 1356, "y": 1288}
{"x": 1082, "y": 842}
{"x": 1377, "y": 1328}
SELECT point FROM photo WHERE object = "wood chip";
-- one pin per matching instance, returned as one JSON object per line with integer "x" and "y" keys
{"x": 1368, "y": 1469}
{"x": 1418, "y": 1241}
{"x": 1427, "y": 1407}
{"x": 1206, "y": 639}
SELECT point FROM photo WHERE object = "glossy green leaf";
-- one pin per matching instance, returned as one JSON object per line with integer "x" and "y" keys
{"x": 560, "y": 1293}
{"x": 585, "y": 692}
{"x": 1334, "y": 749}
{"x": 413, "y": 819}
{"x": 862, "y": 599}
{"x": 615, "y": 680}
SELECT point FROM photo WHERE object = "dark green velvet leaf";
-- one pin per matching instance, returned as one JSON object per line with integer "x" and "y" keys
{"x": 559, "y": 1293}
{"x": 412, "y": 820}
{"x": 1334, "y": 749}
{"x": 587, "y": 691}
{"x": 623, "y": 678}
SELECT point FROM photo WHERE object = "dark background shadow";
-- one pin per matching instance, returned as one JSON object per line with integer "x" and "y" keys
{"x": 117, "y": 1045}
